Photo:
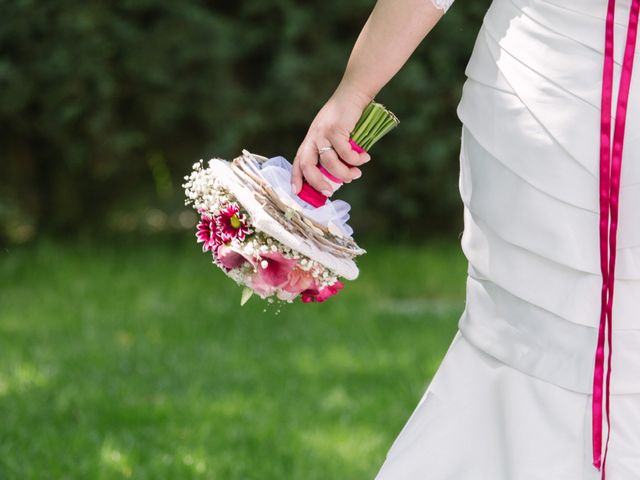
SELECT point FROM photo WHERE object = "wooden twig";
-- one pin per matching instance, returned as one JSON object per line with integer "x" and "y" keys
{"x": 246, "y": 167}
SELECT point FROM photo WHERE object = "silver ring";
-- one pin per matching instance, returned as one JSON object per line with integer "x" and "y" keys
{"x": 324, "y": 149}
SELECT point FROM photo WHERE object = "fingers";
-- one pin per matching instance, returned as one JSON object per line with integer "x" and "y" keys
{"x": 341, "y": 143}
{"x": 341, "y": 162}
{"x": 305, "y": 165}
{"x": 296, "y": 174}
{"x": 336, "y": 167}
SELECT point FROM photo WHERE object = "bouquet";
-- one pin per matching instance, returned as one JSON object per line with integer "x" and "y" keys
{"x": 276, "y": 244}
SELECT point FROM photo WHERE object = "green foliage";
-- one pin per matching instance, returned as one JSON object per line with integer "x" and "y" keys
{"x": 138, "y": 362}
{"x": 105, "y": 105}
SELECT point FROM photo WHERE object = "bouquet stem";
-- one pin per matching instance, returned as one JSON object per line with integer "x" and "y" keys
{"x": 376, "y": 121}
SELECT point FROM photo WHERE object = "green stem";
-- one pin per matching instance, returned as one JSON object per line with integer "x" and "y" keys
{"x": 376, "y": 121}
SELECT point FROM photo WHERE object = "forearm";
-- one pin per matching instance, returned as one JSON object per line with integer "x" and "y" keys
{"x": 390, "y": 35}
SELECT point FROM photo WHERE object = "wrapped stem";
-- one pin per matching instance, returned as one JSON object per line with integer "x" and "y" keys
{"x": 376, "y": 121}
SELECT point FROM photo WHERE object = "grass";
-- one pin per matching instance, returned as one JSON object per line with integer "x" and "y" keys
{"x": 136, "y": 361}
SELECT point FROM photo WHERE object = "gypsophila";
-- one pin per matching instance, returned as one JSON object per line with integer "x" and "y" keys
{"x": 253, "y": 259}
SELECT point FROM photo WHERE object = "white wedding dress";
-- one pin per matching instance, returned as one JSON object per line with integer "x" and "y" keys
{"x": 512, "y": 397}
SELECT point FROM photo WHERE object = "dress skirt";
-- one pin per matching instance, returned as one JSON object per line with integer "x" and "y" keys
{"x": 481, "y": 419}
{"x": 512, "y": 397}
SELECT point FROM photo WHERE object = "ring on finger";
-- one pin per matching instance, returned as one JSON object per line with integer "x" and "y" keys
{"x": 324, "y": 149}
{"x": 329, "y": 163}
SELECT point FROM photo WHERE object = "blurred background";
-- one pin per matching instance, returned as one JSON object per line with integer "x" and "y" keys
{"x": 123, "y": 352}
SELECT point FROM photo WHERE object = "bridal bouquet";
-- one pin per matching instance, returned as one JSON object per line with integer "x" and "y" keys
{"x": 274, "y": 243}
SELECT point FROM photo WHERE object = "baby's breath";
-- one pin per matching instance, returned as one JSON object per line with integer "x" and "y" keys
{"x": 207, "y": 196}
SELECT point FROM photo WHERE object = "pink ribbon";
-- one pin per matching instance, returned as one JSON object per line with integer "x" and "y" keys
{"x": 313, "y": 196}
{"x": 610, "y": 167}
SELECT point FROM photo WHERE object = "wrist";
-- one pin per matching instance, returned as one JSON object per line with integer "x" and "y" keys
{"x": 353, "y": 94}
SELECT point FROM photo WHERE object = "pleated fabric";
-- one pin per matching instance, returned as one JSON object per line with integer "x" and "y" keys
{"x": 481, "y": 419}
{"x": 529, "y": 166}
{"x": 512, "y": 397}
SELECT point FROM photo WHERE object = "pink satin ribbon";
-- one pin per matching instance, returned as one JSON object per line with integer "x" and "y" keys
{"x": 610, "y": 167}
{"x": 313, "y": 196}
{"x": 328, "y": 174}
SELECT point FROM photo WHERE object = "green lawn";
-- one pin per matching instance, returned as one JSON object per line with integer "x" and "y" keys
{"x": 138, "y": 362}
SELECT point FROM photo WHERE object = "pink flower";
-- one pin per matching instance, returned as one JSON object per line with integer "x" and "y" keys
{"x": 321, "y": 295}
{"x": 275, "y": 271}
{"x": 329, "y": 291}
{"x": 272, "y": 273}
{"x": 229, "y": 257}
{"x": 231, "y": 223}
{"x": 299, "y": 280}
{"x": 207, "y": 233}
{"x": 259, "y": 285}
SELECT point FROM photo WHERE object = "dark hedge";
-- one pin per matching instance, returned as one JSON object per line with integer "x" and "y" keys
{"x": 105, "y": 105}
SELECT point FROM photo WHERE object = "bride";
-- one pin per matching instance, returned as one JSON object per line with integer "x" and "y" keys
{"x": 525, "y": 390}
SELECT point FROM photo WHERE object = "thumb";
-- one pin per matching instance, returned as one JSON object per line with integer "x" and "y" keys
{"x": 296, "y": 177}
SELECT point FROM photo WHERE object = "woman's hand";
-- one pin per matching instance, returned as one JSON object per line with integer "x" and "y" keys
{"x": 392, "y": 32}
{"x": 332, "y": 126}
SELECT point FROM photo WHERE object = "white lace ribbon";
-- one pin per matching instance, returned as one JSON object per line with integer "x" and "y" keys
{"x": 333, "y": 214}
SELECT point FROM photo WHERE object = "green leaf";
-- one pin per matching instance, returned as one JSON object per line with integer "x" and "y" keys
{"x": 246, "y": 295}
